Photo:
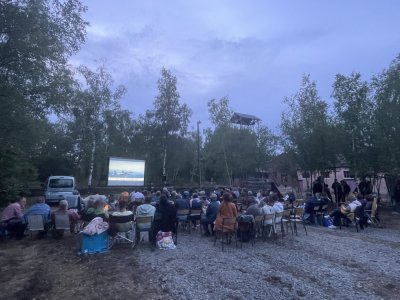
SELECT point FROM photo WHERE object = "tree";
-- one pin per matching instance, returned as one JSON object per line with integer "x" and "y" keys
{"x": 354, "y": 116}
{"x": 220, "y": 112}
{"x": 169, "y": 115}
{"x": 36, "y": 40}
{"x": 386, "y": 87}
{"x": 89, "y": 107}
{"x": 304, "y": 126}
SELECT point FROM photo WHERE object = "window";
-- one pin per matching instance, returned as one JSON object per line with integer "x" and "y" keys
{"x": 61, "y": 183}
{"x": 348, "y": 174}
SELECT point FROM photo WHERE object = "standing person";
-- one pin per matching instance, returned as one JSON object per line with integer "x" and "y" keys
{"x": 365, "y": 186}
{"x": 317, "y": 186}
{"x": 346, "y": 190}
{"x": 337, "y": 190}
{"x": 12, "y": 218}
{"x": 227, "y": 209}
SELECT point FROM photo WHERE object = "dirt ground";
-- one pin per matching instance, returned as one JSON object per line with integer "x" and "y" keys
{"x": 52, "y": 269}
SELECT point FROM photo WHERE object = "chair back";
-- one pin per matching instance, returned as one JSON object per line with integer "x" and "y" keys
{"x": 195, "y": 212}
{"x": 182, "y": 214}
{"x": 144, "y": 219}
{"x": 299, "y": 212}
{"x": 35, "y": 222}
{"x": 316, "y": 208}
{"x": 269, "y": 218}
{"x": 62, "y": 221}
{"x": 258, "y": 218}
{"x": 121, "y": 219}
{"x": 229, "y": 224}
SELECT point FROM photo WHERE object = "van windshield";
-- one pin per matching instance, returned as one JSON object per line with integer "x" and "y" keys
{"x": 61, "y": 183}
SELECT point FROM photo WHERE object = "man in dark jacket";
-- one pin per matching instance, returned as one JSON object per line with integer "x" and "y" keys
{"x": 211, "y": 214}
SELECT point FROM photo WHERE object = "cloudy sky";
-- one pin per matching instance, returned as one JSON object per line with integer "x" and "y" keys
{"x": 253, "y": 52}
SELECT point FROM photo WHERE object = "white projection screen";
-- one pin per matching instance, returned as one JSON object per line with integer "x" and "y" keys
{"x": 125, "y": 172}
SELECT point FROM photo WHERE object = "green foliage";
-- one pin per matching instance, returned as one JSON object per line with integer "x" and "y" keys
{"x": 354, "y": 116}
{"x": 305, "y": 126}
{"x": 36, "y": 40}
{"x": 15, "y": 174}
{"x": 386, "y": 135}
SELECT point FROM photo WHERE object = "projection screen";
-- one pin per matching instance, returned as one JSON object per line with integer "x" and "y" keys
{"x": 125, "y": 172}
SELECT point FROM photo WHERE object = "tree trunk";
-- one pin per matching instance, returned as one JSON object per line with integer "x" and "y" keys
{"x": 92, "y": 162}
{"x": 164, "y": 164}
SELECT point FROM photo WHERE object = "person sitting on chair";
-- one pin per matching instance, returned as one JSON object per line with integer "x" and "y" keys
{"x": 227, "y": 209}
{"x": 63, "y": 210}
{"x": 165, "y": 216}
{"x": 12, "y": 218}
{"x": 145, "y": 210}
{"x": 122, "y": 211}
{"x": 345, "y": 211}
{"x": 253, "y": 208}
{"x": 40, "y": 208}
{"x": 277, "y": 206}
{"x": 99, "y": 209}
{"x": 211, "y": 214}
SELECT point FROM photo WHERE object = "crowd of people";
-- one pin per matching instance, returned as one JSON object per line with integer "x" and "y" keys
{"x": 163, "y": 205}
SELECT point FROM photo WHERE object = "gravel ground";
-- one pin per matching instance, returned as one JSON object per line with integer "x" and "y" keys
{"x": 327, "y": 263}
{"x": 324, "y": 264}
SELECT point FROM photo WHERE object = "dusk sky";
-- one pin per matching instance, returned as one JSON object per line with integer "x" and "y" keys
{"x": 253, "y": 52}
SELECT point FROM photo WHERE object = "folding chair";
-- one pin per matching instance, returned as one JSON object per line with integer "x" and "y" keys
{"x": 269, "y": 222}
{"x": 283, "y": 218}
{"x": 372, "y": 214}
{"x": 144, "y": 224}
{"x": 124, "y": 230}
{"x": 227, "y": 234}
{"x": 319, "y": 215}
{"x": 195, "y": 215}
{"x": 35, "y": 223}
{"x": 298, "y": 217}
{"x": 259, "y": 226}
{"x": 182, "y": 217}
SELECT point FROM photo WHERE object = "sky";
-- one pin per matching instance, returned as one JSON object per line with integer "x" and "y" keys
{"x": 253, "y": 52}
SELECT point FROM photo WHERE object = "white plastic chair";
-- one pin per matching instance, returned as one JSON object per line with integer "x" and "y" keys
{"x": 35, "y": 223}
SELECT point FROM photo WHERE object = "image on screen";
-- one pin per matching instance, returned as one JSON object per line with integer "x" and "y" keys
{"x": 125, "y": 172}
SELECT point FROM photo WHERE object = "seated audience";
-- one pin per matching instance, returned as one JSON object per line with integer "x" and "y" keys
{"x": 253, "y": 208}
{"x": 122, "y": 211}
{"x": 345, "y": 211}
{"x": 63, "y": 210}
{"x": 40, "y": 208}
{"x": 145, "y": 210}
{"x": 227, "y": 209}
{"x": 277, "y": 203}
{"x": 210, "y": 215}
{"x": 165, "y": 216}
{"x": 12, "y": 218}
{"x": 98, "y": 209}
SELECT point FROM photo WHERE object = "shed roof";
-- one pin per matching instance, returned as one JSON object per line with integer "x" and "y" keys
{"x": 244, "y": 119}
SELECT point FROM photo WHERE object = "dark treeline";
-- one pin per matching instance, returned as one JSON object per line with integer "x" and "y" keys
{"x": 38, "y": 37}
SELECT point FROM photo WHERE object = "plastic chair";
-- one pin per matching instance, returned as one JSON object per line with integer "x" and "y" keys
{"x": 35, "y": 223}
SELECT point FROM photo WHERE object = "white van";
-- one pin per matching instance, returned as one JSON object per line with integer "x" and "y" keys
{"x": 62, "y": 187}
